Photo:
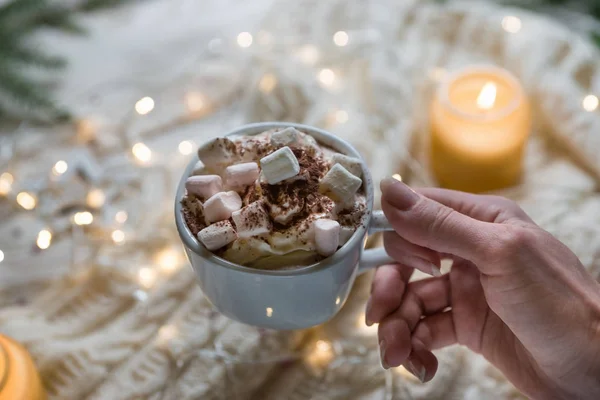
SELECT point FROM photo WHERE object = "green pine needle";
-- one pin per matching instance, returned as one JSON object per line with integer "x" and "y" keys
{"x": 19, "y": 19}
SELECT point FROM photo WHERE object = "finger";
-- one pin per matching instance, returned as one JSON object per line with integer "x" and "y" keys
{"x": 407, "y": 253}
{"x": 421, "y": 362}
{"x": 422, "y": 298}
{"x": 387, "y": 289}
{"x": 436, "y": 331}
{"x": 430, "y": 224}
{"x": 485, "y": 208}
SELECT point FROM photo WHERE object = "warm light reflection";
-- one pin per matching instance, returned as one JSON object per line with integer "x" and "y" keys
{"x": 397, "y": 177}
{"x": 6, "y": 181}
{"x": 308, "y": 54}
{"x": 95, "y": 198}
{"x": 118, "y": 236}
{"x": 195, "y": 102}
{"x": 341, "y": 116}
{"x": 269, "y": 312}
{"x": 321, "y": 355}
{"x": 144, "y": 105}
{"x": 186, "y": 147}
{"x": 26, "y": 200}
{"x": 244, "y": 39}
{"x": 590, "y": 103}
{"x": 327, "y": 77}
{"x": 267, "y": 83}
{"x": 83, "y": 218}
{"x": 337, "y": 301}
{"x": 44, "y": 238}
{"x": 60, "y": 167}
{"x": 169, "y": 260}
{"x": 146, "y": 277}
{"x": 141, "y": 152}
{"x": 487, "y": 96}
{"x": 121, "y": 217}
{"x": 340, "y": 38}
{"x": 167, "y": 333}
{"x": 511, "y": 24}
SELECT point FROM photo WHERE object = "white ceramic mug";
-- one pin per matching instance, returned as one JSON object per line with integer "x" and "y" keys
{"x": 285, "y": 299}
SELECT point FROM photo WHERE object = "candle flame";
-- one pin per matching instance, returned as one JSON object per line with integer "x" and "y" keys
{"x": 487, "y": 96}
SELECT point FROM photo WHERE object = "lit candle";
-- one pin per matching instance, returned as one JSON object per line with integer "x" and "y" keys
{"x": 480, "y": 122}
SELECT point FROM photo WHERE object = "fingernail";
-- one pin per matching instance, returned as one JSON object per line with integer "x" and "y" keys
{"x": 416, "y": 369}
{"x": 398, "y": 194}
{"x": 435, "y": 270}
{"x": 368, "y": 313}
{"x": 384, "y": 364}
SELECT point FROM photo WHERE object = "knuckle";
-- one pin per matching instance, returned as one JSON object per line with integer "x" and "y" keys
{"x": 508, "y": 241}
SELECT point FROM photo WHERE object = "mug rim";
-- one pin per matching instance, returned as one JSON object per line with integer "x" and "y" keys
{"x": 338, "y": 144}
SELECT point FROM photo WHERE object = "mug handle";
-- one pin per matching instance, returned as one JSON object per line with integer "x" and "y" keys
{"x": 373, "y": 258}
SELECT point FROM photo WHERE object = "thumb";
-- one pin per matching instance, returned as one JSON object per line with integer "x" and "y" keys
{"x": 430, "y": 224}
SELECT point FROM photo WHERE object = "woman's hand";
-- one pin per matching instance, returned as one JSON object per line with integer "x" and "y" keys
{"x": 515, "y": 293}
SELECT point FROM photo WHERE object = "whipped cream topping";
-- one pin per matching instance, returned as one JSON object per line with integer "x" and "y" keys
{"x": 287, "y": 239}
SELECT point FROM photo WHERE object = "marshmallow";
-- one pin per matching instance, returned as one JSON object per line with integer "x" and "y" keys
{"x": 327, "y": 236}
{"x": 240, "y": 175}
{"x": 220, "y": 206}
{"x": 217, "y": 235}
{"x": 353, "y": 165}
{"x": 340, "y": 185}
{"x": 251, "y": 220}
{"x": 286, "y": 137}
{"x": 345, "y": 234}
{"x": 280, "y": 165}
{"x": 199, "y": 169}
{"x": 217, "y": 152}
{"x": 204, "y": 186}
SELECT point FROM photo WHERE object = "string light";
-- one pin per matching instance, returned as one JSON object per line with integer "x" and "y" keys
{"x": 83, "y": 218}
{"x": 326, "y": 77}
{"x": 168, "y": 259}
{"x": 397, "y": 177}
{"x": 118, "y": 236}
{"x": 1, "y": 256}
{"x": 121, "y": 217}
{"x": 308, "y": 54}
{"x": 147, "y": 277}
{"x": 6, "y": 181}
{"x": 44, "y": 239}
{"x": 341, "y": 116}
{"x": 244, "y": 39}
{"x": 60, "y": 167}
{"x": 511, "y": 24}
{"x": 590, "y": 103}
{"x": 321, "y": 355}
{"x": 141, "y": 152}
{"x": 144, "y": 105}
{"x": 269, "y": 312}
{"x": 26, "y": 200}
{"x": 95, "y": 198}
{"x": 340, "y": 38}
{"x": 167, "y": 333}
{"x": 195, "y": 102}
{"x": 186, "y": 147}
{"x": 86, "y": 129}
{"x": 267, "y": 83}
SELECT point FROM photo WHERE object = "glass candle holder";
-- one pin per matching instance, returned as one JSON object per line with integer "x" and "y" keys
{"x": 480, "y": 121}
